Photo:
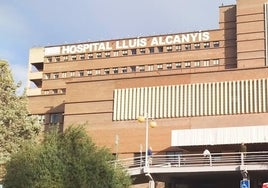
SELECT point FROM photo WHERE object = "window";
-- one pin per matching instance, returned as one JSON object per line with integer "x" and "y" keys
{"x": 115, "y": 70}
{"x": 187, "y": 46}
{"x": 142, "y": 68}
{"x": 169, "y": 66}
{"x": 63, "y": 74}
{"x": 56, "y": 75}
{"x": 81, "y": 73}
{"x": 133, "y": 68}
{"x": 197, "y": 63}
{"x": 197, "y": 45}
{"x": 89, "y": 72}
{"x": 65, "y": 58}
{"x": 55, "y": 118}
{"x": 151, "y": 50}
{"x": 215, "y": 61}
{"x": 90, "y": 56}
{"x": 160, "y": 49}
{"x": 54, "y": 91}
{"x": 133, "y": 51}
{"x": 106, "y": 71}
{"x": 47, "y": 76}
{"x": 142, "y": 50}
{"x": 187, "y": 64}
{"x": 99, "y": 54}
{"x": 41, "y": 119}
{"x": 49, "y": 59}
{"x": 178, "y": 65}
{"x": 124, "y": 69}
{"x": 82, "y": 56}
{"x": 206, "y": 45}
{"x": 150, "y": 67}
{"x": 61, "y": 91}
{"x": 169, "y": 48}
{"x": 97, "y": 72}
{"x": 216, "y": 44}
{"x": 116, "y": 53}
{"x": 178, "y": 47}
{"x": 74, "y": 57}
{"x": 46, "y": 92}
{"x": 124, "y": 52}
{"x": 159, "y": 67}
{"x": 57, "y": 58}
{"x": 206, "y": 63}
{"x": 72, "y": 74}
{"x": 107, "y": 54}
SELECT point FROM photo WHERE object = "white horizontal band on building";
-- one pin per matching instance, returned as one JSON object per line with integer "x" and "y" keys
{"x": 220, "y": 136}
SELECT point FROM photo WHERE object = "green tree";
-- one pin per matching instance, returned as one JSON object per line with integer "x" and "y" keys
{"x": 15, "y": 124}
{"x": 64, "y": 160}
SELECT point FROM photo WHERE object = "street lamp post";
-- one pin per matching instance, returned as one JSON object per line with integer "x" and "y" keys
{"x": 152, "y": 124}
{"x": 146, "y": 167}
{"x": 146, "y": 141}
{"x": 116, "y": 146}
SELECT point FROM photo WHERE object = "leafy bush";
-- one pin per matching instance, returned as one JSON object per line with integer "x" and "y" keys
{"x": 64, "y": 160}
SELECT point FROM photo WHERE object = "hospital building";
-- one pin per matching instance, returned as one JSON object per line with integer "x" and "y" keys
{"x": 204, "y": 89}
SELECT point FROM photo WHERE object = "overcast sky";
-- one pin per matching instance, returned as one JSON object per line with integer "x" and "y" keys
{"x": 28, "y": 23}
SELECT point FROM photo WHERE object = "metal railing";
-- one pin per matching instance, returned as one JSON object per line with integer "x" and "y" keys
{"x": 197, "y": 160}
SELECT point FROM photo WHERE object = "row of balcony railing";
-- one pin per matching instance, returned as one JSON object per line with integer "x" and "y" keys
{"x": 197, "y": 160}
